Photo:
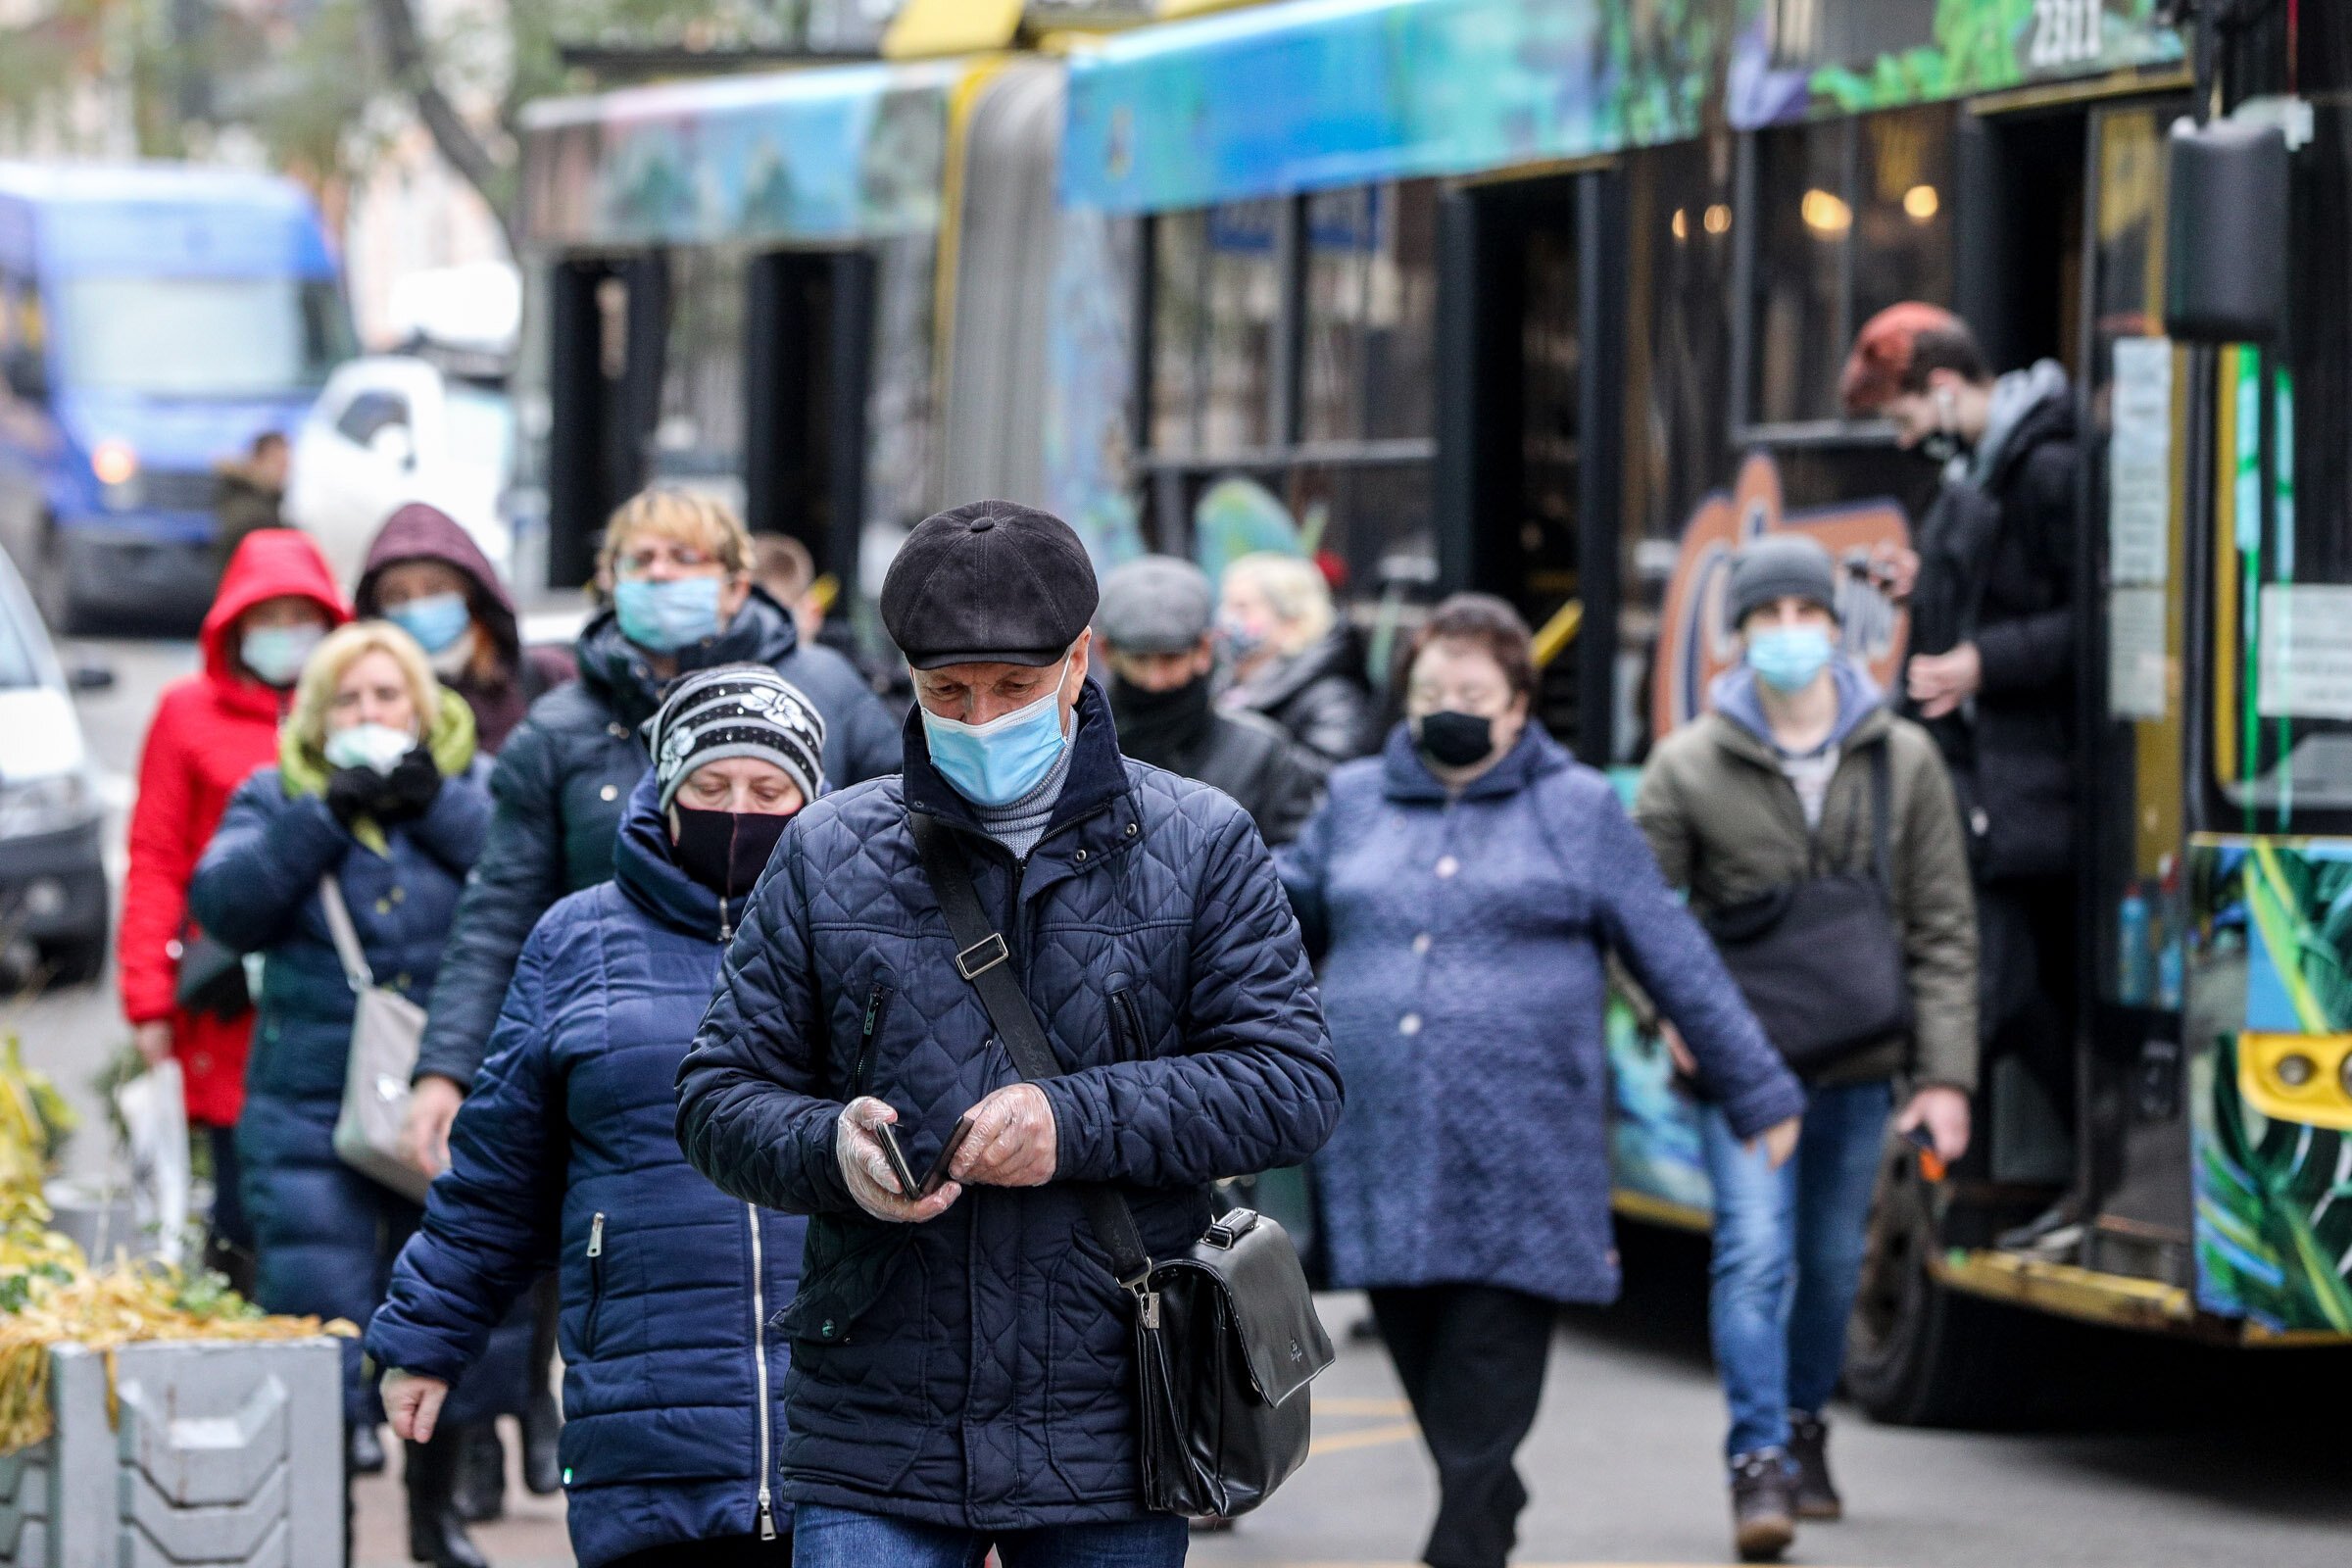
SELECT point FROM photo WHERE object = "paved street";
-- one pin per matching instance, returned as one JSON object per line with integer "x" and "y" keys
{"x": 1621, "y": 1464}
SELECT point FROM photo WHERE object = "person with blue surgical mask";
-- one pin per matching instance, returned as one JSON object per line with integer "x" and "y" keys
{"x": 1801, "y": 785}
{"x": 1139, "y": 914}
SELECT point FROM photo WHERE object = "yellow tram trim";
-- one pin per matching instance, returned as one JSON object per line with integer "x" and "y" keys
{"x": 1654, "y": 1210}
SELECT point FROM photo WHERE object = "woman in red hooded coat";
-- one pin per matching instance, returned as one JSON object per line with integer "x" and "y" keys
{"x": 276, "y": 600}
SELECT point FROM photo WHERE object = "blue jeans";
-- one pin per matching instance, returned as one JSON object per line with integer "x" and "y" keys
{"x": 1787, "y": 1258}
{"x": 825, "y": 1536}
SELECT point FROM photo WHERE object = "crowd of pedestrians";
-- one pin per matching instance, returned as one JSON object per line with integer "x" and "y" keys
{"x": 670, "y": 904}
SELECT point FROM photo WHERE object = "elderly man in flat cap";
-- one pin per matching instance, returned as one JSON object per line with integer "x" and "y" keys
{"x": 961, "y": 1373}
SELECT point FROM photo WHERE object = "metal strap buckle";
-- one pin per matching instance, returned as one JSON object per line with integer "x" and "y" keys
{"x": 991, "y": 951}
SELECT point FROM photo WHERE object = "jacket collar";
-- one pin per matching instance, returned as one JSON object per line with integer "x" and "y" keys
{"x": 1285, "y": 678}
{"x": 1098, "y": 778}
{"x": 1858, "y": 724}
{"x": 616, "y": 668}
{"x": 647, "y": 875}
{"x": 1405, "y": 776}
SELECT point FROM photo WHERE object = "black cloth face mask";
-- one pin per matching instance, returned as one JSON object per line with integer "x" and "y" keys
{"x": 1155, "y": 726}
{"x": 727, "y": 850}
{"x": 1453, "y": 739}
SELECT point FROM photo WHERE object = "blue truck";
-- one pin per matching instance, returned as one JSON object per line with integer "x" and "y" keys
{"x": 154, "y": 319}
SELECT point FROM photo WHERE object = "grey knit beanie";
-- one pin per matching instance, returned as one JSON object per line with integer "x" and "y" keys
{"x": 1778, "y": 564}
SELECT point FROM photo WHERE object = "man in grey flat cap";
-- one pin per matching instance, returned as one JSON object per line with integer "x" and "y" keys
{"x": 962, "y": 1355}
{"x": 1153, "y": 631}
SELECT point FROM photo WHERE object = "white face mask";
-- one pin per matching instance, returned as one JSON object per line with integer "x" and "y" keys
{"x": 377, "y": 746}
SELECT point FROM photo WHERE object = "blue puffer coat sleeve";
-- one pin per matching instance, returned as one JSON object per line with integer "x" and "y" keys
{"x": 1669, "y": 951}
{"x": 265, "y": 863}
{"x": 492, "y": 1221}
{"x": 754, "y": 1120}
{"x": 1254, "y": 1088}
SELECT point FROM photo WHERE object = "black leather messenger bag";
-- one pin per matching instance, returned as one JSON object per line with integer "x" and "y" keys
{"x": 1226, "y": 1337}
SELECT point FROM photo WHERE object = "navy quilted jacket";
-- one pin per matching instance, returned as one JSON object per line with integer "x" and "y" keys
{"x": 1463, "y": 949}
{"x": 565, "y": 1149}
{"x": 974, "y": 1371}
{"x": 563, "y": 780}
{"x": 325, "y": 1233}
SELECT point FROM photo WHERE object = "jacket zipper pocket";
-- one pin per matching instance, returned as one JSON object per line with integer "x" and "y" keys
{"x": 596, "y": 1281}
{"x": 1126, "y": 1027}
{"x": 877, "y": 1012}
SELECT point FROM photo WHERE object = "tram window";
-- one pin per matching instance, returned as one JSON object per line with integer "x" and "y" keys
{"x": 701, "y": 429}
{"x": 1371, "y": 311}
{"x": 1217, "y": 299}
{"x": 1856, "y": 216}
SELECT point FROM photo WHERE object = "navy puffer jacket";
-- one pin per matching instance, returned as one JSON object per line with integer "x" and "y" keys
{"x": 565, "y": 776}
{"x": 566, "y": 1149}
{"x": 975, "y": 1371}
{"x": 326, "y": 1235}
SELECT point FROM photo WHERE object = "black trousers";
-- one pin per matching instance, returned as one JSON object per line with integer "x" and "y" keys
{"x": 2025, "y": 980}
{"x": 1471, "y": 1359}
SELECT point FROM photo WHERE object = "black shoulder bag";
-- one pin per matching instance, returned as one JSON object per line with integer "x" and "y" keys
{"x": 1821, "y": 962}
{"x": 1226, "y": 1337}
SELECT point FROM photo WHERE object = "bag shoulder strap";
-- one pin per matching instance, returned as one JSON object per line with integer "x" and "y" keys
{"x": 1881, "y": 813}
{"x": 985, "y": 961}
{"x": 346, "y": 935}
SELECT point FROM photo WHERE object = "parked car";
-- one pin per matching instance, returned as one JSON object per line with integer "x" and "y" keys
{"x": 392, "y": 428}
{"x": 154, "y": 319}
{"x": 53, "y": 905}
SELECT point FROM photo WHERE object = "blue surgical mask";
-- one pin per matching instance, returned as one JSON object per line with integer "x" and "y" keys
{"x": 665, "y": 617}
{"x": 1788, "y": 657}
{"x": 998, "y": 762}
{"x": 276, "y": 653}
{"x": 436, "y": 620}
{"x": 377, "y": 746}
{"x": 1238, "y": 638}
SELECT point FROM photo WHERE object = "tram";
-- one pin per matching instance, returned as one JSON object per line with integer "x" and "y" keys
{"x": 1548, "y": 298}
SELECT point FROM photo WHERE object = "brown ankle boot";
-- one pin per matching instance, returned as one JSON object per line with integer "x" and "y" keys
{"x": 1763, "y": 1505}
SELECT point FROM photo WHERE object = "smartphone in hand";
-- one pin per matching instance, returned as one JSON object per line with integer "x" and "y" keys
{"x": 937, "y": 1176}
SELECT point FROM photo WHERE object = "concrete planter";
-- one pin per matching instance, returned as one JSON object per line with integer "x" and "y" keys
{"x": 224, "y": 1454}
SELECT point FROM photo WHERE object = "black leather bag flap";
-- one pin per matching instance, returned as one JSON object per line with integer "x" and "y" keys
{"x": 1252, "y": 1265}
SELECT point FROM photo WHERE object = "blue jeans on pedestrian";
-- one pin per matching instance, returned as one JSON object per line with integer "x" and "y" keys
{"x": 824, "y": 1537}
{"x": 1789, "y": 1257}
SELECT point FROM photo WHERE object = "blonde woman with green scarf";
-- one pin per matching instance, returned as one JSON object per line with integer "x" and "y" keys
{"x": 377, "y": 786}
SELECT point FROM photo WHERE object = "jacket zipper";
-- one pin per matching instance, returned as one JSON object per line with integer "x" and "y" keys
{"x": 1130, "y": 1021}
{"x": 877, "y": 1009}
{"x": 767, "y": 1512}
{"x": 596, "y": 1276}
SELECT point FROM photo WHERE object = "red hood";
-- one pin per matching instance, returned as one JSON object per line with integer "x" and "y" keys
{"x": 269, "y": 564}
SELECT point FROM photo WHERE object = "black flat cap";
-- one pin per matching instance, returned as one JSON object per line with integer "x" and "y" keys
{"x": 988, "y": 582}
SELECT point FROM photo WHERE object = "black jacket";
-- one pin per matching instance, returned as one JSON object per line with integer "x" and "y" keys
{"x": 1318, "y": 696}
{"x": 977, "y": 1371}
{"x": 1997, "y": 568}
{"x": 1277, "y": 781}
{"x": 564, "y": 781}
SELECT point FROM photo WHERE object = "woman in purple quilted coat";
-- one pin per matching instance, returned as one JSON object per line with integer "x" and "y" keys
{"x": 1464, "y": 888}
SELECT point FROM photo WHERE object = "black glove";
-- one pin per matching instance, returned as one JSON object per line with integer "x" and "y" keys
{"x": 409, "y": 790}
{"x": 351, "y": 793}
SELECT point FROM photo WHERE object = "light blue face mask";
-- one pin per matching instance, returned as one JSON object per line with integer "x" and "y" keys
{"x": 276, "y": 653}
{"x": 1788, "y": 657}
{"x": 998, "y": 762}
{"x": 436, "y": 620}
{"x": 665, "y": 617}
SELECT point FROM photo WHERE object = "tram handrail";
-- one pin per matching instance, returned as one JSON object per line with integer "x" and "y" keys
{"x": 1553, "y": 638}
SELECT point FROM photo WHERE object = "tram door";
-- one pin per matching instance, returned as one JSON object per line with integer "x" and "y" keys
{"x": 606, "y": 330}
{"x": 1531, "y": 324}
{"x": 808, "y": 329}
